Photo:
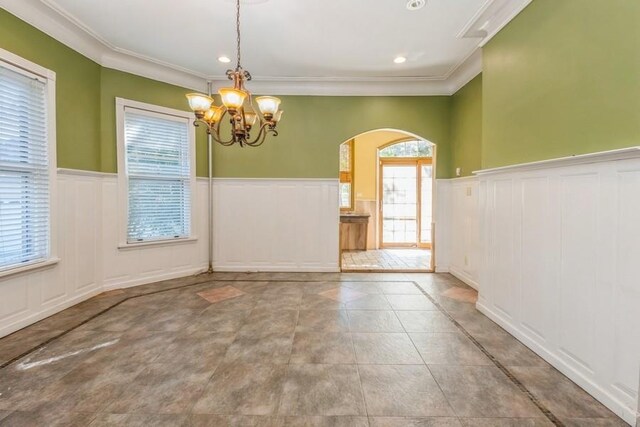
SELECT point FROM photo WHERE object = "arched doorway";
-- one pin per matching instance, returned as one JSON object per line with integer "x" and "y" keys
{"x": 386, "y": 202}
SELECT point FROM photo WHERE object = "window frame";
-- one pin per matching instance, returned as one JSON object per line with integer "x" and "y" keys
{"x": 348, "y": 177}
{"x": 123, "y": 181}
{"x": 30, "y": 69}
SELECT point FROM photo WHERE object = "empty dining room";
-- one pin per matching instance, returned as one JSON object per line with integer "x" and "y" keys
{"x": 385, "y": 213}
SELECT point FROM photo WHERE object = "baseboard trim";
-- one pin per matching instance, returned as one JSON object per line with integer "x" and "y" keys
{"x": 613, "y": 403}
{"x": 156, "y": 278}
{"x": 464, "y": 277}
{"x": 36, "y": 317}
{"x": 277, "y": 269}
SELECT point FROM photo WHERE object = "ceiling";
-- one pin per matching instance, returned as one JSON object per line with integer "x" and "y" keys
{"x": 323, "y": 45}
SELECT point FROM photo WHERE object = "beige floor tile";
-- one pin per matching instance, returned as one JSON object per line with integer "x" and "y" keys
{"x": 385, "y": 348}
{"x": 402, "y": 391}
{"x": 326, "y": 390}
{"x": 243, "y": 389}
{"x": 482, "y": 391}
{"x": 322, "y": 347}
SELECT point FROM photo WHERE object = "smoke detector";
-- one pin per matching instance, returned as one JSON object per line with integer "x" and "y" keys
{"x": 416, "y": 4}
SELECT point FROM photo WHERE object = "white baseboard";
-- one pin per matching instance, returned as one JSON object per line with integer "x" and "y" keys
{"x": 36, "y": 317}
{"x": 590, "y": 386}
{"x": 155, "y": 278}
{"x": 249, "y": 268}
{"x": 459, "y": 274}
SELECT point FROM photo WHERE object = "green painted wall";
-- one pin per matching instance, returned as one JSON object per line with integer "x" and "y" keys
{"x": 313, "y": 127}
{"x": 311, "y": 130}
{"x": 562, "y": 78}
{"x": 77, "y": 86}
{"x": 310, "y": 133}
{"x": 466, "y": 128}
{"x": 118, "y": 84}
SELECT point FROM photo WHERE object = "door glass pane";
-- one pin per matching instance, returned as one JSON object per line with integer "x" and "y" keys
{"x": 425, "y": 203}
{"x": 399, "y": 204}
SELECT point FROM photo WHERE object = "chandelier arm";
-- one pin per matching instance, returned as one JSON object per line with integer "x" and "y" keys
{"x": 260, "y": 135}
{"x": 264, "y": 136}
{"x": 216, "y": 131}
{"x": 265, "y": 129}
{"x": 216, "y": 137}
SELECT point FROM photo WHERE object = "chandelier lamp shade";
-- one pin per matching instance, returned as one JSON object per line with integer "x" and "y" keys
{"x": 247, "y": 127}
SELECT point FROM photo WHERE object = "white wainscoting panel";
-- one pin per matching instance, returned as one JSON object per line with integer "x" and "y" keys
{"x": 463, "y": 230}
{"x": 90, "y": 261}
{"x": 259, "y": 225}
{"x": 442, "y": 222}
{"x": 276, "y": 225}
{"x": 559, "y": 267}
{"x": 33, "y": 295}
{"x": 137, "y": 265}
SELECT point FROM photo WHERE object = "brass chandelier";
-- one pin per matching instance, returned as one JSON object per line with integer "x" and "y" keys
{"x": 242, "y": 115}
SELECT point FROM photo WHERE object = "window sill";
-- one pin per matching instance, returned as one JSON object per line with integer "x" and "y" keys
{"x": 131, "y": 246}
{"x": 29, "y": 267}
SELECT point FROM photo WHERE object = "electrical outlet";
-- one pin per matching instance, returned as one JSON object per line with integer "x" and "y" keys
{"x": 458, "y": 171}
{"x": 468, "y": 191}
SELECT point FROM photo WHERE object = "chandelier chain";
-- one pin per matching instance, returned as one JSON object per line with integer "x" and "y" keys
{"x": 238, "y": 32}
{"x": 247, "y": 127}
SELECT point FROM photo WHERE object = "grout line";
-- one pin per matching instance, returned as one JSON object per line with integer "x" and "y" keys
{"x": 355, "y": 360}
{"x": 546, "y": 411}
{"x": 426, "y": 365}
{"x": 497, "y": 363}
{"x": 65, "y": 332}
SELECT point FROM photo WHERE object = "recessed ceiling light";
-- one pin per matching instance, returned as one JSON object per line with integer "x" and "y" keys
{"x": 399, "y": 59}
{"x": 224, "y": 59}
{"x": 416, "y": 4}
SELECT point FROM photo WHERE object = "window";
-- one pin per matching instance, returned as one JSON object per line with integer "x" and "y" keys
{"x": 346, "y": 176}
{"x": 413, "y": 148}
{"x": 156, "y": 158}
{"x": 27, "y": 162}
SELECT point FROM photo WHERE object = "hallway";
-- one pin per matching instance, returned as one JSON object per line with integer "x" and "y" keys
{"x": 409, "y": 259}
{"x": 275, "y": 349}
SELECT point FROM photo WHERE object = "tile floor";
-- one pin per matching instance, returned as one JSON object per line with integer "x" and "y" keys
{"x": 387, "y": 260}
{"x": 283, "y": 350}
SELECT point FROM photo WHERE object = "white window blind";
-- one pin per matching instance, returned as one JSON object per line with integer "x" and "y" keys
{"x": 158, "y": 171}
{"x": 24, "y": 169}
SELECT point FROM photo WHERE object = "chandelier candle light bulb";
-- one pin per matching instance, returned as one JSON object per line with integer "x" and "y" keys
{"x": 242, "y": 118}
{"x": 213, "y": 114}
{"x": 268, "y": 105}
{"x": 250, "y": 118}
{"x": 232, "y": 98}
{"x": 199, "y": 103}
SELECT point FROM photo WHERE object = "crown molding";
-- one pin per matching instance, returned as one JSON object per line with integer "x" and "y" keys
{"x": 493, "y": 16}
{"x": 469, "y": 69}
{"x": 50, "y": 18}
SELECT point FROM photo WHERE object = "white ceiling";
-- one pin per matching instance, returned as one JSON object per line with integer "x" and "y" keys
{"x": 323, "y": 43}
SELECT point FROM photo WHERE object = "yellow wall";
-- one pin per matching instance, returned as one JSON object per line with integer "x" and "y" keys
{"x": 366, "y": 153}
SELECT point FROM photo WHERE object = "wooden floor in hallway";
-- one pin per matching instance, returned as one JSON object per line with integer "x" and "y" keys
{"x": 284, "y": 349}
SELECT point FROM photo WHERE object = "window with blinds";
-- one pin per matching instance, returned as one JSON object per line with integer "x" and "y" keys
{"x": 24, "y": 168}
{"x": 158, "y": 175}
